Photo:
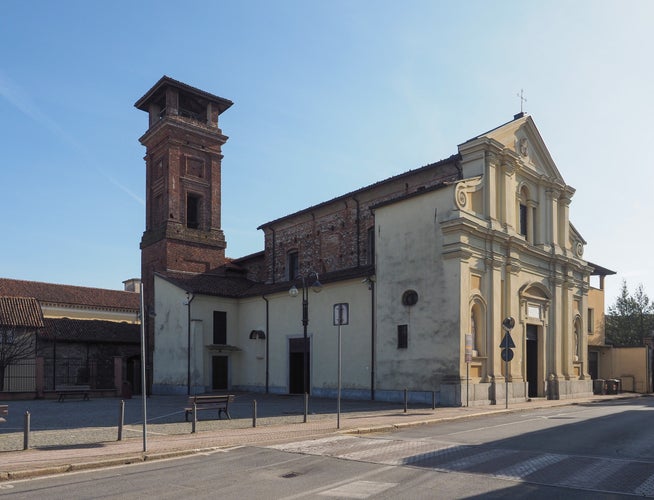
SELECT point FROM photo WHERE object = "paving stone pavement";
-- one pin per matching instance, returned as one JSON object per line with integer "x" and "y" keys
{"x": 76, "y": 435}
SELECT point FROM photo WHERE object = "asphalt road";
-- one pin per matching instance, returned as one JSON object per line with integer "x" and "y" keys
{"x": 594, "y": 451}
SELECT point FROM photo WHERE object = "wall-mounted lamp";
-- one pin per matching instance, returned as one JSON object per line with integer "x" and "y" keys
{"x": 257, "y": 334}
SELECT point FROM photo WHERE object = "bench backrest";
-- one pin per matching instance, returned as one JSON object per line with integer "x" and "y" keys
{"x": 227, "y": 398}
{"x": 72, "y": 388}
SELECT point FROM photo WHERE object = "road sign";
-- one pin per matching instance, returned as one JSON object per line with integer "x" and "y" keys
{"x": 507, "y": 355}
{"x": 341, "y": 314}
{"x": 507, "y": 342}
{"x": 508, "y": 323}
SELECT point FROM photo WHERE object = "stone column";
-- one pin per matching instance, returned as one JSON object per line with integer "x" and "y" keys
{"x": 555, "y": 330}
{"x": 491, "y": 188}
{"x": 495, "y": 319}
{"x": 531, "y": 207}
{"x": 563, "y": 221}
{"x": 551, "y": 219}
{"x": 509, "y": 196}
{"x": 567, "y": 330}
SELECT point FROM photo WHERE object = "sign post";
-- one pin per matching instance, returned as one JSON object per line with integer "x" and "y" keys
{"x": 341, "y": 317}
{"x": 507, "y": 354}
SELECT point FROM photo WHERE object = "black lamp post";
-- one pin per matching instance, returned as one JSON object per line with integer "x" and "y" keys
{"x": 316, "y": 287}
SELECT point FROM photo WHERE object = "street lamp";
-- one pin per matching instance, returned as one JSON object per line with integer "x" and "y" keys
{"x": 293, "y": 292}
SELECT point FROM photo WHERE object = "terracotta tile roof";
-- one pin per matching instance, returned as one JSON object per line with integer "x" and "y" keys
{"x": 70, "y": 295}
{"x": 20, "y": 311}
{"x": 210, "y": 284}
{"x": 78, "y": 330}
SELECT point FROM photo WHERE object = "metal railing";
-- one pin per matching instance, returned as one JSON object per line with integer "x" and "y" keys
{"x": 96, "y": 373}
{"x": 19, "y": 376}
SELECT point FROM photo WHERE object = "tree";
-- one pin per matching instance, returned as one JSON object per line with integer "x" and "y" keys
{"x": 20, "y": 319}
{"x": 16, "y": 344}
{"x": 630, "y": 319}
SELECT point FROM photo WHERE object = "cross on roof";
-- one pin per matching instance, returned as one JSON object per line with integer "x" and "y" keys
{"x": 522, "y": 99}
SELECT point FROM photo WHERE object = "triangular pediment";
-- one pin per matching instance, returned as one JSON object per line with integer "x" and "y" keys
{"x": 521, "y": 139}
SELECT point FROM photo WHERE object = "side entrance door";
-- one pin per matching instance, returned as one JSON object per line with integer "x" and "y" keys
{"x": 219, "y": 371}
{"x": 296, "y": 366}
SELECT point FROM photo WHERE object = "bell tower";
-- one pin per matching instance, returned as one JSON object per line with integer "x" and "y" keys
{"x": 183, "y": 162}
{"x": 183, "y": 178}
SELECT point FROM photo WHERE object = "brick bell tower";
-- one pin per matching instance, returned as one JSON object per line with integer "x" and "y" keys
{"x": 183, "y": 178}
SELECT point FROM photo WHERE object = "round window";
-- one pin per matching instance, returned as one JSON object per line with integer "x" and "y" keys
{"x": 410, "y": 298}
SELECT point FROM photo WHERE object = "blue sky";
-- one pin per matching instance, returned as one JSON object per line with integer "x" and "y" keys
{"x": 328, "y": 97}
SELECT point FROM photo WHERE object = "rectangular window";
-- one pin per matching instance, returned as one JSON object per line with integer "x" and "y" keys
{"x": 371, "y": 245}
{"x": 220, "y": 327}
{"x": 523, "y": 219}
{"x": 591, "y": 320}
{"x": 193, "y": 211}
{"x": 402, "y": 336}
{"x": 292, "y": 264}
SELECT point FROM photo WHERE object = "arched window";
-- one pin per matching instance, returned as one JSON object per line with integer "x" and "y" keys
{"x": 526, "y": 218}
{"x": 523, "y": 221}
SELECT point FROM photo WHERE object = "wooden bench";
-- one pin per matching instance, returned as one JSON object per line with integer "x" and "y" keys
{"x": 72, "y": 390}
{"x": 220, "y": 403}
{"x": 4, "y": 411}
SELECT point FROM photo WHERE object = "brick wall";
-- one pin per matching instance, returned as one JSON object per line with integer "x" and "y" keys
{"x": 333, "y": 236}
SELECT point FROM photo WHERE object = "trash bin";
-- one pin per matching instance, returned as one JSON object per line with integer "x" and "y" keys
{"x": 127, "y": 390}
{"x": 599, "y": 386}
{"x": 618, "y": 384}
{"x": 612, "y": 386}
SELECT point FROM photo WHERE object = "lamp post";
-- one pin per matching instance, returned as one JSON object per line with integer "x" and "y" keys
{"x": 293, "y": 292}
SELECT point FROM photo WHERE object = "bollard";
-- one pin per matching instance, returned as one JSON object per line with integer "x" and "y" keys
{"x": 121, "y": 419}
{"x": 306, "y": 406}
{"x": 195, "y": 418}
{"x": 254, "y": 413}
{"x": 406, "y": 399}
{"x": 433, "y": 400}
{"x": 26, "y": 433}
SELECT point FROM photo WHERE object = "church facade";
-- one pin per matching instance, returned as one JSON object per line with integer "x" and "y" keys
{"x": 428, "y": 263}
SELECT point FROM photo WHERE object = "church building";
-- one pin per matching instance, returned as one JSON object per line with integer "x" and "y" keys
{"x": 421, "y": 270}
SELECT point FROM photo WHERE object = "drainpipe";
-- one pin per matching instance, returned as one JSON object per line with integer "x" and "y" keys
{"x": 358, "y": 232}
{"x": 372, "y": 339}
{"x": 273, "y": 253}
{"x": 267, "y": 343}
{"x": 189, "y": 299}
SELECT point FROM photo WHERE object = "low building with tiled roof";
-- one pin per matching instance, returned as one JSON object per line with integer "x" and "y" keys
{"x": 82, "y": 331}
{"x": 70, "y": 301}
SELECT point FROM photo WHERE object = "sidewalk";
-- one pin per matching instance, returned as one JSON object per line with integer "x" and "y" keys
{"x": 58, "y": 459}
